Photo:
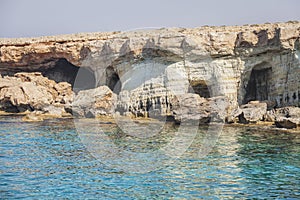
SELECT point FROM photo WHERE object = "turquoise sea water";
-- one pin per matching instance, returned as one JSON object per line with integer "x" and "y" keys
{"x": 47, "y": 160}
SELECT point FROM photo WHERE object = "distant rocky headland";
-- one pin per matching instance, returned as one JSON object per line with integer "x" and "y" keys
{"x": 233, "y": 74}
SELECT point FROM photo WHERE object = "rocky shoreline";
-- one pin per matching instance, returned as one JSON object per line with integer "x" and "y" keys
{"x": 37, "y": 98}
{"x": 236, "y": 75}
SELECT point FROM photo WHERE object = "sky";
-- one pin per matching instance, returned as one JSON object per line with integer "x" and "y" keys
{"x": 31, "y": 18}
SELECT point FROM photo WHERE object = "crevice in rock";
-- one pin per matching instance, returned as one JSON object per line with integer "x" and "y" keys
{"x": 113, "y": 80}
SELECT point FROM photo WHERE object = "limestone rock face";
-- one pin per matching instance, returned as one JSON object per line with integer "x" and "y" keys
{"x": 33, "y": 92}
{"x": 147, "y": 69}
{"x": 34, "y": 53}
{"x": 94, "y": 102}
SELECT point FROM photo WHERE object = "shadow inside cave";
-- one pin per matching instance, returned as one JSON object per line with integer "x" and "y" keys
{"x": 79, "y": 77}
{"x": 259, "y": 86}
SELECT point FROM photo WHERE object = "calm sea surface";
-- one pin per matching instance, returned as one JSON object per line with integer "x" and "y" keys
{"x": 49, "y": 160}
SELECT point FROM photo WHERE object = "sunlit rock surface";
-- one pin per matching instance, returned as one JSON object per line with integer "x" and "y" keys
{"x": 33, "y": 92}
{"x": 94, "y": 102}
{"x": 146, "y": 69}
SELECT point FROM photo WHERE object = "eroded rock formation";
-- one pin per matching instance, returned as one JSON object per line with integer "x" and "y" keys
{"x": 94, "y": 102}
{"x": 287, "y": 117}
{"x": 33, "y": 92}
{"x": 149, "y": 69}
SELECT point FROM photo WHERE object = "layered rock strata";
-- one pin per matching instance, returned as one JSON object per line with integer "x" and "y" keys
{"x": 149, "y": 71}
{"x": 35, "y": 93}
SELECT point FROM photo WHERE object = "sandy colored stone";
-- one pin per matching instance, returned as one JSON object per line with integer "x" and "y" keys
{"x": 94, "y": 102}
{"x": 32, "y": 91}
{"x": 193, "y": 107}
{"x": 221, "y": 58}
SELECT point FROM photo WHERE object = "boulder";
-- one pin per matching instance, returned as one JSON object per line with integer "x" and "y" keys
{"x": 289, "y": 123}
{"x": 192, "y": 107}
{"x": 232, "y": 117}
{"x": 12, "y": 99}
{"x": 187, "y": 108}
{"x": 270, "y": 116}
{"x": 289, "y": 112}
{"x": 65, "y": 93}
{"x": 36, "y": 94}
{"x": 287, "y": 117}
{"x": 252, "y": 112}
{"x": 220, "y": 107}
{"x": 94, "y": 102}
{"x": 33, "y": 92}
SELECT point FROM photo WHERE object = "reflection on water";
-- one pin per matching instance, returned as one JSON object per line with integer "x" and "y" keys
{"x": 48, "y": 160}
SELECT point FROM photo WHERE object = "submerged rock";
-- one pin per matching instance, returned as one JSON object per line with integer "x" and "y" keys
{"x": 32, "y": 117}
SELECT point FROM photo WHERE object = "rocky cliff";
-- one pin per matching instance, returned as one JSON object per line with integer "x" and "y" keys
{"x": 149, "y": 70}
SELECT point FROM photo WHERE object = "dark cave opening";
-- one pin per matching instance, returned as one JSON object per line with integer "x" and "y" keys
{"x": 63, "y": 71}
{"x": 79, "y": 77}
{"x": 201, "y": 88}
{"x": 113, "y": 80}
{"x": 258, "y": 87}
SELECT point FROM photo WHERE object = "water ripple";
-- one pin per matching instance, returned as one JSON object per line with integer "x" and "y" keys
{"x": 47, "y": 160}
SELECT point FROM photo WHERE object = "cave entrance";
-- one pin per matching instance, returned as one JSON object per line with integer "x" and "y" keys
{"x": 258, "y": 87}
{"x": 79, "y": 77}
{"x": 63, "y": 71}
{"x": 113, "y": 80}
{"x": 200, "y": 87}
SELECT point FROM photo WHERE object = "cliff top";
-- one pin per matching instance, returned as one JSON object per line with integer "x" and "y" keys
{"x": 206, "y": 41}
{"x": 77, "y": 37}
